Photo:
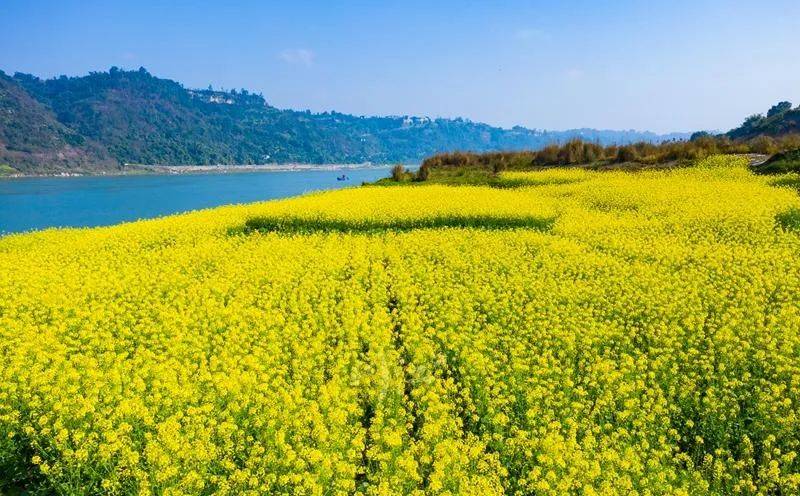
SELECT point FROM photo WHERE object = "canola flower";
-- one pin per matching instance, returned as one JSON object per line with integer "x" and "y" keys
{"x": 575, "y": 332}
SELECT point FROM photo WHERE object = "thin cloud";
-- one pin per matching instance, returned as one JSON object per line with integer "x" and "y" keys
{"x": 574, "y": 74}
{"x": 297, "y": 56}
{"x": 527, "y": 34}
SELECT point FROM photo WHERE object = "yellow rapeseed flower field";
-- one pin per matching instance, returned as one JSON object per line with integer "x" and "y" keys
{"x": 570, "y": 332}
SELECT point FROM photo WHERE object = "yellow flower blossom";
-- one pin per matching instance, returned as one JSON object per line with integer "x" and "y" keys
{"x": 574, "y": 332}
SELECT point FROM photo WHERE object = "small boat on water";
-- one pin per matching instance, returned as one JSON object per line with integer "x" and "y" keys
{"x": 343, "y": 177}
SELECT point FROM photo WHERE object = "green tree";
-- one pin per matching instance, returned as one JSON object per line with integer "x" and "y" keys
{"x": 779, "y": 108}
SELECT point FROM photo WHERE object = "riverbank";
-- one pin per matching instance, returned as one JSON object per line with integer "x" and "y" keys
{"x": 224, "y": 169}
{"x": 136, "y": 169}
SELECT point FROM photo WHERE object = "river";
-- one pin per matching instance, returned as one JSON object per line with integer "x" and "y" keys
{"x": 41, "y": 202}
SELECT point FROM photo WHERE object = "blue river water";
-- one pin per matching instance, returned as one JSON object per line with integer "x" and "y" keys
{"x": 37, "y": 203}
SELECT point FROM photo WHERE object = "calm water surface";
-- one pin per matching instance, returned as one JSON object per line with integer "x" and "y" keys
{"x": 37, "y": 203}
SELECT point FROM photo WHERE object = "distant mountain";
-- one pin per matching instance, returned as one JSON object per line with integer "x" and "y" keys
{"x": 105, "y": 119}
{"x": 780, "y": 120}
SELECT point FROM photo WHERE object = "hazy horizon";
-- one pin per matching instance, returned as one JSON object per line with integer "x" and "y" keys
{"x": 680, "y": 67}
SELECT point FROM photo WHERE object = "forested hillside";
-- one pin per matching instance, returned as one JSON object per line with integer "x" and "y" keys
{"x": 107, "y": 119}
{"x": 781, "y": 119}
{"x": 32, "y": 138}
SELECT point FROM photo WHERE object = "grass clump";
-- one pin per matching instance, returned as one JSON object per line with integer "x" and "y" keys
{"x": 789, "y": 220}
{"x": 295, "y": 225}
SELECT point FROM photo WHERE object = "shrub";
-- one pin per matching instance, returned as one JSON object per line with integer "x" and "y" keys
{"x": 626, "y": 153}
{"x": 573, "y": 152}
{"x": 576, "y": 152}
{"x": 592, "y": 152}
{"x": 547, "y": 155}
{"x": 763, "y": 145}
{"x": 781, "y": 163}
{"x": 398, "y": 173}
{"x": 423, "y": 173}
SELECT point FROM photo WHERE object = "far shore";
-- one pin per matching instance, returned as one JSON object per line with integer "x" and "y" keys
{"x": 136, "y": 169}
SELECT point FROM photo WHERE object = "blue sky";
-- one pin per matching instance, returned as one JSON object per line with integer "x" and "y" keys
{"x": 664, "y": 66}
